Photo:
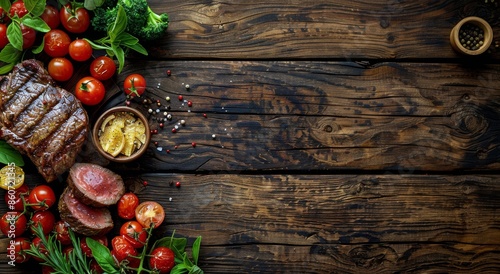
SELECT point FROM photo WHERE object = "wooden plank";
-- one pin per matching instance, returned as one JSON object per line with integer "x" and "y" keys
{"x": 322, "y": 116}
{"x": 318, "y": 29}
{"x": 331, "y": 223}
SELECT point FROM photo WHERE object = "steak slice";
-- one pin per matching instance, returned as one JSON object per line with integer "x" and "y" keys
{"x": 82, "y": 218}
{"x": 40, "y": 119}
{"x": 95, "y": 185}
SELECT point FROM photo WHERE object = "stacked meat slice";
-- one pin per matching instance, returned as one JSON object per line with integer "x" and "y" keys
{"x": 40, "y": 119}
{"x": 83, "y": 204}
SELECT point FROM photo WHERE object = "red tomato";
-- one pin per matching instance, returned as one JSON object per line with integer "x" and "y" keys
{"x": 60, "y": 68}
{"x": 126, "y": 205}
{"x": 122, "y": 248}
{"x": 4, "y": 18}
{"x": 56, "y": 43}
{"x": 86, "y": 249}
{"x": 3, "y": 36}
{"x": 80, "y": 50}
{"x": 89, "y": 91}
{"x": 134, "y": 85}
{"x": 47, "y": 269}
{"x": 37, "y": 242}
{"x": 51, "y": 16}
{"x": 41, "y": 197}
{"x": 13, "y": 224}
{"x": 134, "y": 232}
{"x": 20, "y": 244}
{"x": 14, "y": 200}
{"x": 18, "y": 8}
{"x": 44, "y": 218}
{"x": 74, "y": 20}
{"x": 102, "y": 68}
{"x": 29, "y": 36}
{"x": 162, "y": 259}
{"x": 150, "y": 213}
{"x": 62, "y": 233}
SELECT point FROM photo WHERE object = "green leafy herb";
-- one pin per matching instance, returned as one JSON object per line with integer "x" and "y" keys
{"x": 103, "y": 256}
{"x": 182, "y": 262}
{"x": 10, "y": 155}
{"x": 118, "y": 41}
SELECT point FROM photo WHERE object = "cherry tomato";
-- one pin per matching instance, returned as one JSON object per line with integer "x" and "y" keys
{"x": 47, "y": 269}
{"x": 134, "y": 85}
{"x": 89, "y": 91}
{"x": 95, "y": 267}
{"x": 80, "y": 50}
{"x": 18, "y": 8}
{"x": 122, "y": 248}
{"x": 3, "y": 36}
{"x": 74, "y": 20}
{"x": 86, "y": 249}
{"x": 20, "y": 244}
{"x": 150, "y": 213}
{"x": 14, "y": 200}
{"x": 45, "y": 218}
{"x": 135, "y": 233}
{"x": 162, "y": 259}
{"x": 51, "y": 16}
{"x": 41, "y": 197}
{"x": 56, "y": 43}
{"x": 29, "y": 36}
{"x": 37, "y": 242}
{"x": 62, "y": 233}
{"x": 4, "y": 18}
{"x": 126, "y": 205}
{"x": 13, "y": 224}
{"x": 60, "y": 68}
{"x": 102, "y": 68}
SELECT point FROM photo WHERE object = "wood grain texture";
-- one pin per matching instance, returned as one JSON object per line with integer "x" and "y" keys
{"x": 322, "y": 116}
{"x": 319, "y": 29}
{"x": 331, "y": 223}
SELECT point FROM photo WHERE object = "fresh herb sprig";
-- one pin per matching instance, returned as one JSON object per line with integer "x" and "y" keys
{"x": 9, "y": 155}
{"x": 118, "y": 41}
{"x": 75, "y": 262}
{"x": 11, "y": 54}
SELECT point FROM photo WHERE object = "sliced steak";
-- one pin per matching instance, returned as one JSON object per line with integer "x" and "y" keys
{"x": 95, "y": 185}
{"x": 82, "y": 218}
{"x": 40, "y": 119}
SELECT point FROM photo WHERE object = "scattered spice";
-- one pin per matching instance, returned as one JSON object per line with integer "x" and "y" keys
{"x": 471, "y": 36}
{"x": 193, "y": 144}
{"x": 181, "y": 98}
{"x": 177, "y": 184}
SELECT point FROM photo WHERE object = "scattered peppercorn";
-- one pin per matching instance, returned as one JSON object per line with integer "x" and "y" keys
{"x": 193, "y": 144}
{"x": 190, "y": 104}
{"x": 169, "y": 72}
{"x": 205, "y": 115}
{"x": 181, "y": 98}
{"x": 145, "y": 183}
{"x": 174, "y": 130}
{"x": 471, "y": 36}
{"x": 177, "y": 184}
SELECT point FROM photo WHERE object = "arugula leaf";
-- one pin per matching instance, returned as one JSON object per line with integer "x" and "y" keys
{"x": 103, "y": 256}
{"x": 196, "y": 249}
{"x": 35, "y": 7}
{"x": 10, "y": 155}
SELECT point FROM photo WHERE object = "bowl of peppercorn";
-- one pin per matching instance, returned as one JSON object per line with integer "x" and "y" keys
{"x": 471, "y": 36}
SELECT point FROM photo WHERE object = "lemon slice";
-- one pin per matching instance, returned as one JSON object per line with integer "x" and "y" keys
{"x": 11, "y": 177}
{"x": 130, "y": 145}
{"x": 112, "y": 140}
{"x": 106, "y": 121}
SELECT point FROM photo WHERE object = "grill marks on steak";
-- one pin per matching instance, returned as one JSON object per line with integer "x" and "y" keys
{"x": 95, "y": 185}
{"x": 40, "y": 119}
{"x": 84, "y": 219}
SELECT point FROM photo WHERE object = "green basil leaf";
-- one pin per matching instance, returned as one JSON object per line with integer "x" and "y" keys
{"x": 15, "y": 35}
{"x": 96, "y": 46}
{"x": 92, "y": 4}
{"x": 35, "y": 23}
{"x": 103, "y": 256}
{"x": 196, "y": 270}
{"x": 196, "y": 249}
{"x": 9, "y": 54}
{"x": 120, "y": 56}
{"x": 5, "y": 4}
{"x": 176, "y": 244}
{"x": 39, "y": 49}
{"x": 179, "y": 269}
{"x": 10, "y": 155}
{"x": 7, "y": 68}
{"x": 138, "y": 47}
{"x": 119, "y": 25}
{"x": 126, "y": 39}
{"x": 35, "y": 7}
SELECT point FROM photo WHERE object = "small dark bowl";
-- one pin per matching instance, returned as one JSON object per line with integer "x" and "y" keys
{"x": 121, "y": 158}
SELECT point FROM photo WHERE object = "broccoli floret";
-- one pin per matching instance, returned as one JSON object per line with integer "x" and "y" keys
{"x": 135, "y": 10}
{"x": 155, "y": 27}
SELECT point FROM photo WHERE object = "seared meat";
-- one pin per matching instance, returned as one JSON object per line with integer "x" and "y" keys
{"x": 82, "y": 218}
{"x": 41, "y": 120}
{"x": 95, "y": 185}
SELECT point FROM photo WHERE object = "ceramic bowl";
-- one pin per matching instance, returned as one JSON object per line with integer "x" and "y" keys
{"x": 97, "y": 132}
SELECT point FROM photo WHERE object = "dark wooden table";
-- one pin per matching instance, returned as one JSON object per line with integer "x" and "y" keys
{"x": 339, "y": 137}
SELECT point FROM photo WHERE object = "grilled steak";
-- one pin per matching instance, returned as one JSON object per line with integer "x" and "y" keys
{"x": 84, "y": 219}
{"x": 95, "y": 185}
{"x": 41, "y": 120}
